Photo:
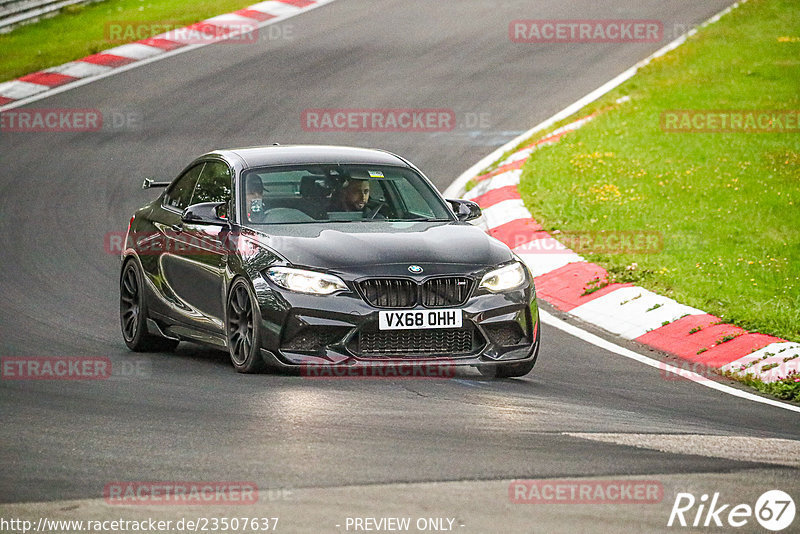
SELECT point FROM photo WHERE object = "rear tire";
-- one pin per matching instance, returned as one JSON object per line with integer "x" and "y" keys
{"x": 242, "y": 320}
{"x": 133, "y": 313}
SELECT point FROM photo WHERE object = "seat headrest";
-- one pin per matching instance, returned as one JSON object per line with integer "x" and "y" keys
{"x": 314, "y": 186}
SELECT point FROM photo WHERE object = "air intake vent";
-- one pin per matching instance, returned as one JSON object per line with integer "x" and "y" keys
{"x": 410, "y": 343}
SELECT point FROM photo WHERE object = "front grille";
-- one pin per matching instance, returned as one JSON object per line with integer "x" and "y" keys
{"x": 445, "y": 342}
{"x": 452, "y": 291}
{"x": 390, "y": 292}
{"x": 405, "y": 293}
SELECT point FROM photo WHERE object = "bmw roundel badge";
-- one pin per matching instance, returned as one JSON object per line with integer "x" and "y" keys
{"x": 416, "y": 269}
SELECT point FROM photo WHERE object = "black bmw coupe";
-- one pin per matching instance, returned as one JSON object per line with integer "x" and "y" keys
{"x": 333, "y": 256}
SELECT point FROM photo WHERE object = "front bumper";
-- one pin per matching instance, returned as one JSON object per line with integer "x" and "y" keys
{"x": 299, "y": 329}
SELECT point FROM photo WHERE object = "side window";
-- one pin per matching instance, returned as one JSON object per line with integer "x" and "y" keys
{"x": 214, "y": 185}
{"x": 180, "y": 192}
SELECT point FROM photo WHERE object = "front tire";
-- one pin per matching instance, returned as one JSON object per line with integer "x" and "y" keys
{"x": 133, "y": 313}
{"x": 242, "y": 321}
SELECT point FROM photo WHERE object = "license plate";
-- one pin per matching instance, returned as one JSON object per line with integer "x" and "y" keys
{"x": 419, "y": 319}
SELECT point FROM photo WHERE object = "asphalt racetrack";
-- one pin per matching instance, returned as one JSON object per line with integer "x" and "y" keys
{"x": 324, "y": 450}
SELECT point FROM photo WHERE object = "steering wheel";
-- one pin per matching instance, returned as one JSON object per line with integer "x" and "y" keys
{"x": 371, "y": 214}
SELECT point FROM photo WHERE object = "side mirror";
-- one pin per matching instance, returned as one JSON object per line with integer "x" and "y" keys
{"x": 465, "y": 210}
{"x": 206, "y": 213}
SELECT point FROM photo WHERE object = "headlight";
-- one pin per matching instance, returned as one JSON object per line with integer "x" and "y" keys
{"x": 504, "y": 279}
{"x": 305, "y": 281}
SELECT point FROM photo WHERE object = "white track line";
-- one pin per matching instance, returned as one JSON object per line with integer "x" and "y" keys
{"x": 666, "y": 368}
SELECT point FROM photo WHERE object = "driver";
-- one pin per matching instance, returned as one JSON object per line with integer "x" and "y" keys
{"x": 354, "y": 195}
{"x": 254, "y": 198}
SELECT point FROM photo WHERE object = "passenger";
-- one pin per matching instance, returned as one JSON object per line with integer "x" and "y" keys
{"x": 254, "y": 198}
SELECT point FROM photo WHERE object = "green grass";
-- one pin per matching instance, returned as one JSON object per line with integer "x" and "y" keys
{"x": 79, "y": 31}
{"x": 727, "y": 204}
{"x": 786, "y": 389}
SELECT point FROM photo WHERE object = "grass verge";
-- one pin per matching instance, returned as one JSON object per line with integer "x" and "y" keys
{"x": 79, "y": 31}
{"x": 786, "y": 389}
{"x": 726, "y": 204}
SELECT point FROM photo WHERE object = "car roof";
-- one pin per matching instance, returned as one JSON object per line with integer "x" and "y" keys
{"x": 260, "y": 156}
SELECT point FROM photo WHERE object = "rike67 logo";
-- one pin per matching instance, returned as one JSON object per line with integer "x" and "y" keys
{"x": 774, "y": 510}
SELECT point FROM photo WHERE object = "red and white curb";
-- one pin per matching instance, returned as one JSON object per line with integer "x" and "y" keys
{"x": 220, "y": 28}
{"x": 562, "y": 278}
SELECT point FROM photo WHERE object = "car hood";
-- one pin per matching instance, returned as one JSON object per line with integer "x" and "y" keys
{"x": 363, "y": 244}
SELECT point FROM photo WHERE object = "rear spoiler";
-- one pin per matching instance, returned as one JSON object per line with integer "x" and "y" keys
{"x": 149, "y": 182}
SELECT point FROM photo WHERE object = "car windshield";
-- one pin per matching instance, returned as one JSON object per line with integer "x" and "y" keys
{"x": 339, "y": 193}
